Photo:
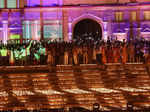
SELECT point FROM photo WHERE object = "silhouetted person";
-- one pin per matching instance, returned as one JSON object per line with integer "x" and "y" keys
{"x": 96, "y": 107}
{"x": 129, "y": 106}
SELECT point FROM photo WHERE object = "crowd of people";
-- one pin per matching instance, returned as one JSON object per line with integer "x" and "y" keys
{"x": 77, "y": 51}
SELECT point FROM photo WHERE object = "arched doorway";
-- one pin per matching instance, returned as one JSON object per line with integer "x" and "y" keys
{"x": 87, "y": 29}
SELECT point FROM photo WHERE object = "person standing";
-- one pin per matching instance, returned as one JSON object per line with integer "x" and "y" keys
{"x": 147, "y": 57}
{"x": 16, "y": 56}
{"x": 104, "y": 60}
{"x": 109, "y": 54}
{"x": 4, "y": 54}
{"x": 80, "y": 54}
{"x": 99, "y": 55}
{"x": 94, "y": 55}
{"x": 85, "y": 55}
{"x": 116, "y": 54}
{"x": 66, "y": 57}
{"x": 27, "y": 50}
{"x": 50, "y": 58}
{"x": 23, "y": 55}
{"x": 42, "y": 52}
{"x": 70, "y": 53}
{"x": 124, "y": 54}
{"x": 11, "y": 57}
{"x": 131, "y": 53}
{"x": 75, "y": 55}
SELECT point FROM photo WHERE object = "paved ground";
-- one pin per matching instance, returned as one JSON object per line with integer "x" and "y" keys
{"x": 111, "y": 85}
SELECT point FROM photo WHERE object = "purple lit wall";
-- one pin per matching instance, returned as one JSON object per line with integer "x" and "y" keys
{"x": 32, "y": 15}
{"x": 50, "y": 2}
{"x": 32, "y": 3}
{"x": 52, "y": 15}
{"x": 65, "y": 18}
{"x": 4, "y": 15}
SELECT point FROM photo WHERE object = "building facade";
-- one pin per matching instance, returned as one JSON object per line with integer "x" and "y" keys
{"x": 59, "y": 19}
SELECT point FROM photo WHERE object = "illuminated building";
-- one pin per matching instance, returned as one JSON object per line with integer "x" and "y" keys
{"x": 35, "y": 87}
{"x": 53, "y": 19}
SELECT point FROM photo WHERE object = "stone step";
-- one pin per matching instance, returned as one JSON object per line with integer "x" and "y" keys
{"x": 111, "y": 85}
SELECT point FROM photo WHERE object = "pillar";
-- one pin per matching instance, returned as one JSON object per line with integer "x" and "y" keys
{"x": 70, "y": 31}
{"x": 5, "y": 2}
{"x": 105, "y": 31}
{"x": 5, "y": 31}
{"x": 22, "y": 20}
{"x": 22, "y": 3}
{"x": 139, "y": 22}
{"x": 65, "y": 25}
{"x": 127, "y": 36}
{"x": 41, "y": 25}
{"x": 110, "y": 26}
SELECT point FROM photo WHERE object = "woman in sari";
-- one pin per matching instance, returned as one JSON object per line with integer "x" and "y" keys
{"x": 49, "y": 58}
{"x": 94, "y": 55}
{"x": 75, "y": 55}
{"x": 11, "y": 57}
{"x": 104, "y": 60}
{"x": 66, "y": 57}
{"x": 124, "y": 54}
{"x": 85, "y": 55}
{"x": 116, "y": 54}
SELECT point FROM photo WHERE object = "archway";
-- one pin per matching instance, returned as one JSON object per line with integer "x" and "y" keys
{"x": 87, "y": 29}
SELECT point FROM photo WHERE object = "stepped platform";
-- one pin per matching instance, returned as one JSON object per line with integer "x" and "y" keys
{"x": 67, "y": 86}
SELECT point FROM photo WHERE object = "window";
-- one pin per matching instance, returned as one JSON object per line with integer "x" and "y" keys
{"x": 26, "y": 29}
{"x": 2, "y": 3}
{"x": 119, "y": 16}
{"x": 146, "y": 15}
{"x": 15, "y": 30}
{"x": 11, "y": 3}
{"x": 31, "y": 30}
{"x": 33, "y": 3}
{"x": 52, "y": 29}
{"x": 133, "y": 16}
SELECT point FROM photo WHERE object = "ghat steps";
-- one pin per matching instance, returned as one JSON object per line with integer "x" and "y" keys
{"x": 110, "y": 85}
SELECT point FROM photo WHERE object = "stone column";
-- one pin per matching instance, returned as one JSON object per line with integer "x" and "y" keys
{"x": 32, "y": 30}
{"x": 105, "y": 31}
{"x": 22, "y": 3}
{"x": 127, "y": 36}
{"x": 65, "y": 25}
{"x": 70, "y": 31}
{"x": 110, "y": 27}
{"x": 41, "y": 26}
{"x": 5, "y": 31}
{"x": 22, "y": 25}
{"x": 139, "y": 23}
{"x": 5, "y": 3}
